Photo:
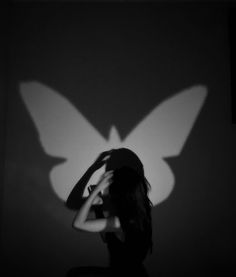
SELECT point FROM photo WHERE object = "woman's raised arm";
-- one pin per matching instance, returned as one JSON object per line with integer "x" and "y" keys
{"x": 76, "y": 199}
{"x": 95, "y": 225}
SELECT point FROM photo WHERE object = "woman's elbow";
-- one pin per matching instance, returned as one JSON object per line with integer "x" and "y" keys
{"x": 77, "y": 225}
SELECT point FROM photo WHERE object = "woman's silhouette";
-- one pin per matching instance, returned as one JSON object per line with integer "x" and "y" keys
{"x": 123, "y": 211}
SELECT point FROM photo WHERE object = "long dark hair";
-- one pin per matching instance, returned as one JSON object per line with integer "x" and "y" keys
{"x": 129, "y": 196}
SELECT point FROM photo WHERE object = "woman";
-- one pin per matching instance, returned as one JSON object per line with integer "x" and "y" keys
{"x": 124, "y": 218}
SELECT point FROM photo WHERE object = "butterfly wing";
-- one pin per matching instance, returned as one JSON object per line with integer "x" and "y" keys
{"x": 63, "y": 132}
{"x": 163, "y": 133}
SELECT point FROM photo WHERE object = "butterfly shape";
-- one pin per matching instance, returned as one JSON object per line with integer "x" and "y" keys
{"x": 64, "y": 132}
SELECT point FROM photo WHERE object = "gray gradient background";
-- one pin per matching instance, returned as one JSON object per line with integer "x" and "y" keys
{"x": 130, "y": 58}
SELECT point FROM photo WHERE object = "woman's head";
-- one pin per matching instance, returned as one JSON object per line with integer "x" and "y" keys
{"x": 128, "y": 175}
{"x": 128, "y": 192}
{"x": 124, "y": 157}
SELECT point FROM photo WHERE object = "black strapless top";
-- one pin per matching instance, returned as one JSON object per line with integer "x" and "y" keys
{"x": 126, "y": 258}
{"x": 132, "y": 251}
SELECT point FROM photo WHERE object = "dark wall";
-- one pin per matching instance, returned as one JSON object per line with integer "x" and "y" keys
{"x": 130, "y": 57}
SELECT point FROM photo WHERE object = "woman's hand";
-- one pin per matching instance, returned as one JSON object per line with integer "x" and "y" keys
{"x": 105, "y": 180}
{"x": 97, "y": 200}
{"x": 101, "y": 160}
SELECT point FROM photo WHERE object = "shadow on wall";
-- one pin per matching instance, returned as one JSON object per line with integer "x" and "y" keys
{"x": 64, "y": 132}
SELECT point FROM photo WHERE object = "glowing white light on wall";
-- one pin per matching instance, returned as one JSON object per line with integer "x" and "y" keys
{"x": 64, "y": 132}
